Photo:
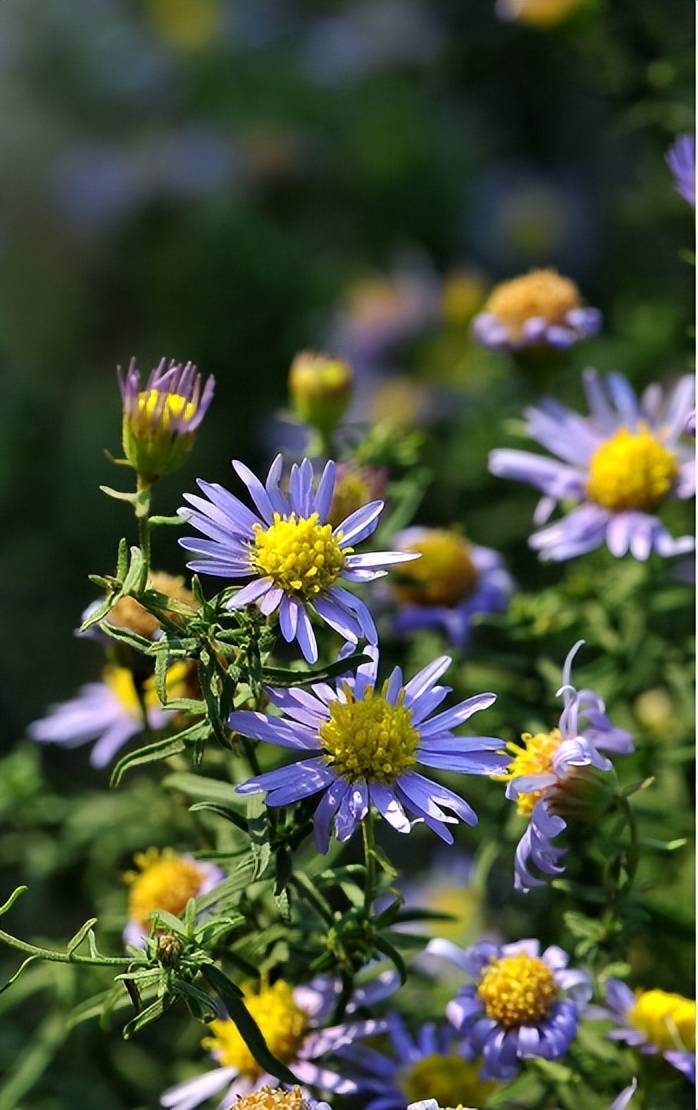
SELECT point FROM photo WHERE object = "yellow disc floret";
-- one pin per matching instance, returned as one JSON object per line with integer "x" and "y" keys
{"x": 631, "y": 470}
{"x": 121, "y": 683}
{"x": 271, "y": 1098}
{"x": 162, "y": 409}
{"x": 534, "y": 758}
{"x": 444, "y": 574}
{"x": 369, "y": 740}
{"x": 299, "y": 554}
{"x": 450, "y": 1080}
{"x": 543, "y": 293}
{"x": 517, "y": 990}
{"x": 667, "y": 1020}
{"x": 163, "y": 881}
{"x": 282, "y": 1022}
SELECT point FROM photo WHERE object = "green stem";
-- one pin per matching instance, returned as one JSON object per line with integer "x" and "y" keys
{"x": 63, "y": 957}
{"x": 368, "y": 831}
{"x": 143, "y": 517}
{"x": 633, "y": 853}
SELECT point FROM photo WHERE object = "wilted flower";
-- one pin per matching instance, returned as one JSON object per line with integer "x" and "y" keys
{"x": 320, "y": 388}
{"x": 621, "y": 463}
{"x": 293, "y": 555}
{"x": 539, "y": 13}
{"x": 449, "y": 584}
{"x": 562, "y": 774}
{"x": 292, "y": 1021}
{"x": 681, "y": 160}
{"x": 160, "y": 421}
{"x": 354, "y": 486}
{"x": 654, "y": 1021}
{"x": 363, "y": 743}
{"x": 521, "y": 1003}
{"x": 129, "y": 614}
{"x": 538, "y": 309}
{"x": 108, "y": 712}
{"x": 434, "y": 1065}
{"x": 164, "y": 881}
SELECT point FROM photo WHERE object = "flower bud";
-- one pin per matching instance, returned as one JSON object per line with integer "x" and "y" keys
{"x": 168, "y": 949}
{"x": 585, "y": 795}
{"x": 160, "y": 421}
{"x": 320, "y": 388}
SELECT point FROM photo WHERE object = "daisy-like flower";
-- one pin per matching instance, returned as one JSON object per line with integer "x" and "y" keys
{"x": 160, "y": 420}
{"x": 107, "y": 712}
{"x": 537, "y": 13}
{"x": 538, "y": 309}
{"x": 291, "y": 1020}
{"x": 361, "y": 746}
{"x": 681, "y": 160}
{"x": 434, "y": 1065}
{"x": 320, "y": 388}
{"x": 273, "y": 1098}
{"x": 164, "y": 881}
{"x": 295, "y": 558}
{"x": 450, "y": 584}
{"x": 653, "y": 1021}
{"x": 562, "y": 774}
{"x": 619, "y": 465}
{"x": 520, "y": 1003}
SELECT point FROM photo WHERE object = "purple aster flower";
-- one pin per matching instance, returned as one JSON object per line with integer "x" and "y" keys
{"x": 520, "y": 1004}
{"x": 291, "y": 1020}
{"x": 652, "y": 1022}
{"x": 107, "y": 712}
{"x": 164, "y": 881}
{"x": 619, "y": 465}
{"x": 681, "y": 160}
{"x": 434, "y": 1062}
{"x": 561, "y": 774}
{"x": 538, "y": 309}
{"x": 160, "y": 420}
{"x": 292, "y": 554}
{"x": 451, "y": 583}
{"x": 362, "y": 744}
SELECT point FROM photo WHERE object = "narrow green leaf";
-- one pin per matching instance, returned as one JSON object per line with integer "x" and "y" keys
{"x": 17, "y": 893}
{"x": 75, "y": 942}
{"x": 150, "y": 1014}
{"x": 119, "y": 495}
{"x": 199, "y": 786}
{"x": 220, "y": 811}
{"x": 276, "y": 676}
{"x": 161, "y": 749}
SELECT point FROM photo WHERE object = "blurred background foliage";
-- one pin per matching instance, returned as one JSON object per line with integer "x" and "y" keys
{"x": 228, "y": 182}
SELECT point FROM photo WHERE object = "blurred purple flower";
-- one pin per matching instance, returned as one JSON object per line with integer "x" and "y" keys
{"x": 681, "y": 160}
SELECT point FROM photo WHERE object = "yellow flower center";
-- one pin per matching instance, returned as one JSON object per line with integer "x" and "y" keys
{"x": 369, "y": 740}
{"x": 269, "y": 1098}
{"x": 314, "y": 375}
{"x": 158, "y": 411}
{"x": 445, "y": 573}
{"x": 631, "y": 470}
{"x": 545, "y": 13}
{"x": 667, "y": 1020}
{"x": 451, "y": 1080}
{"x": 120, "y": 682}
{"x": 534, "y": 758}
{"x": 517, "y": 990}
{"x": 164, "y": 881}
{"x": 282, "y": 1023}
{"x": 540, "y": 293}
{"x": 299, "y": 554}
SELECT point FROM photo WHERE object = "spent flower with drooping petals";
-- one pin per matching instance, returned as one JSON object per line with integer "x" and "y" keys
{"x": 361, "y": 745}
{"x": 538, "y": 309}
{"x": 619, "y": 465}
{"x": 561, "y": 775}
{"x": 293, "y": 555}
{"x": 160, "y": 420}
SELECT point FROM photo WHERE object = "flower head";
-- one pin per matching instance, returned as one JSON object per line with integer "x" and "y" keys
{"x": 362, "y": 743}
{"x": 619, "y": 465}
{"x": 562, "y": 774}
{"x": 681, "y": 160}
{"x": 520, "y": 1002}
{"x": 654, "y": 1021}
{"x": 538, "y": 13}
{"x": 107, "y": 712}
{"x": 354, "y": 487}
{"x": 538, "y": 309}
{"x": 164, "y": 880}
{"x": 160, "y": 421}
{"x": 128, "y": 613}
{"x": 433, "y": 1064}
{"x": 450, "y": 583}
{"x": 320, "y": 388}
{"x": 291, "y": 552}
{"x": 292, "y": 1021}
{"x": 273, "y": 1098}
